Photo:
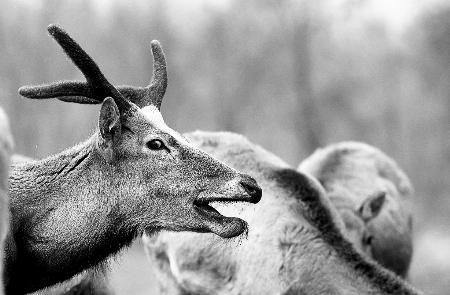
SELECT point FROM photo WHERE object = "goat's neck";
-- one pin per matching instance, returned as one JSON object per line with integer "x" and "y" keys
{"x": 63, "y": 217}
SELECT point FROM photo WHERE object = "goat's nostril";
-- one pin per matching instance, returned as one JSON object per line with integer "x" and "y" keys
{"x": 253, "y": 190}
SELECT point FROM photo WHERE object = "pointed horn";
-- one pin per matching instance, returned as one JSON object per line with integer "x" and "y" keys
{"x": 88, "y": 67}
{"x": 56, "y": 89}
{"x": 96, "y": 88}
{"x": 158, "y": 84}
{"x": 78, "y": 92}
{"x": 78, "y": 56}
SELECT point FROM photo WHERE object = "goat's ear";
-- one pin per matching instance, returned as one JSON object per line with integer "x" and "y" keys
{"x": 109, "y": 125}
{"x": 372, "y": 206}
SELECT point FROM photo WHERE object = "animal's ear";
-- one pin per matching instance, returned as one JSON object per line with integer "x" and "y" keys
{"x": 372, "y": 206}
{"x": 109, "y": 125}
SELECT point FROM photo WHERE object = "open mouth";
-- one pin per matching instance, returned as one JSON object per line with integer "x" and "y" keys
{"x": 226, "y": 227}
{"x": 204, "y": 206}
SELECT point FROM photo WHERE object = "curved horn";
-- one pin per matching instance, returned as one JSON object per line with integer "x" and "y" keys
{"x": 96, "y": 86}
{"x": 153, "y": 93}
{"x": 158, "y": 84}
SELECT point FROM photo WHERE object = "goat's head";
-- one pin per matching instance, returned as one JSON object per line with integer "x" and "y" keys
{"x": 357, "y": 221}
{"x": 374, "y": 231}
{"x": 162, "y": 180}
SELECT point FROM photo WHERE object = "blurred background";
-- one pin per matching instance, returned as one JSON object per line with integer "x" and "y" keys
{"x": 290, "y": 75}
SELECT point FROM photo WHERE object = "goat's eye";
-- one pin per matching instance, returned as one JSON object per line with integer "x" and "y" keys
{"x": 155, "y": 144}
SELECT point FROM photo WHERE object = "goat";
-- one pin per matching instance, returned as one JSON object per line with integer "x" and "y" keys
{"x": 294, "y": 246}
{"x": 73, "y": 210}
{"x": 371, "y": 194}
{"x": 6, "y": 146}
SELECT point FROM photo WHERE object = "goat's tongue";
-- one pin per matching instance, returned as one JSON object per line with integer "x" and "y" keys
{"x": 227, "y": 227}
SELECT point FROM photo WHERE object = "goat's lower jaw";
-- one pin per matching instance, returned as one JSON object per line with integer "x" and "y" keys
{"x": 206, "y": 209}
{"x": 225, "y": 227}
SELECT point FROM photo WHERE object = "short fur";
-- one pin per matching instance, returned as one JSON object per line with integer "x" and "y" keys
{"x": 6, "y": 146}
{"x": 294, "y": 244}
{"x": 73, "y": 210}
{"x": 352, "y": 173}
{"x": 97, "y": 87}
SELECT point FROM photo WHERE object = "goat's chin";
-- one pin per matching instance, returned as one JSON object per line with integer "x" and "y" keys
{"x": 224, "y": 227}
{"x": 228, "y": 227}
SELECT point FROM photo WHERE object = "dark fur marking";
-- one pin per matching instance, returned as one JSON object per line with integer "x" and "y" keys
{"x": 78, "y": 162}
{"x": 320, "y": 216}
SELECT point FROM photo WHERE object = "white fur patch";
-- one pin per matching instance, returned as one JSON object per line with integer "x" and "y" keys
{"x": 153, "y": 115}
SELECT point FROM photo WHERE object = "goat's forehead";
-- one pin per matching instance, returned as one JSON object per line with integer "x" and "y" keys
{"x": 154, "y": 117}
